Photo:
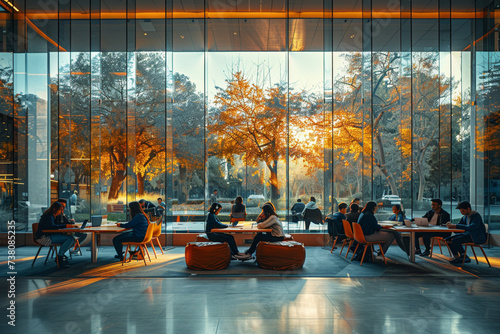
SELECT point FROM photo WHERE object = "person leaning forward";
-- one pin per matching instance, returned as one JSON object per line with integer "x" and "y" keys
{"x": 475, "y": 232}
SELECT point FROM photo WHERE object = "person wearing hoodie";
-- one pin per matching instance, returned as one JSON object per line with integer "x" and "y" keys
{"x": 335, "y": 224}
{"x": 312, "y": 213}
{"x": 475, "y": 232}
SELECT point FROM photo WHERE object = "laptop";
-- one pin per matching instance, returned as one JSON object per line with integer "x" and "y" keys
{"x": 96, "y": 221}
{"x": 421, "y": 222}
{"x": 84, "y": 224}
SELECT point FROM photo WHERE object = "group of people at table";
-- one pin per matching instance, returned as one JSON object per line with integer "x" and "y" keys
{"x": 55, "y": 219}
{"x": 471, "y": 223}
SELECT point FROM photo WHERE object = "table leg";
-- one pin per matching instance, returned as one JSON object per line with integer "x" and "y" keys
{"x": 93, "y": 253}
{"x": 412, "y": 246}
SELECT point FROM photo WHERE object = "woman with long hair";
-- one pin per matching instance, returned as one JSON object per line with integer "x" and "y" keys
{"x": 213, "y": 222}
{"x": 48, "y": 222}
{"x": 270, "y": 221}
{"x": 238, "y": 210}
{"x": 374, "y": 232}
{"x": 398, "y": 214}
{"x": 138, "y": 224}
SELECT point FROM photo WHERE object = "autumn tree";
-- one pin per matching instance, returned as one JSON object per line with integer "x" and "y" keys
{"x": 253, "y": 123}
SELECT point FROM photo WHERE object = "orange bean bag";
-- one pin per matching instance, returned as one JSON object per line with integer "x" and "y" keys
{"x": 202, "y": 238}
{"x": 207, "y": 255}
{"x": 282, "y": 255}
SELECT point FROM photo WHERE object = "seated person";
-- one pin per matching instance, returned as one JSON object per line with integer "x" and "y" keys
{"x": 138, "y": 224}
{"x": 147, "y": 206}
{"x": 312, "y": 214}
{"x": 435, "y": 216}
{"x": 398, "y": 214}
{"x": 475, "y": 232}
{"x": 83, "y": 238}
{"x": 335, "y": 224}
{"x": 374, "y": 232}
{"x": 354, "y": 201}
{"x": 161, "y": 207}
{"x": 48, "y": 222}
{"x": 297, "y": 209}
{"x": 213, "y": 222}
{"x": 238, "y": 210}
{"x": 353, "y": 215}
{"x": 270, "y": 221}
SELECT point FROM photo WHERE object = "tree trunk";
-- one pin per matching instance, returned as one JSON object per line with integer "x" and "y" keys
{"x": 116, "y": 184}
{"x": 140, "y": 184}
{"x": 382, "y": 166}
{"x": 182, "y": 192}
{"x": 275, "y": 190}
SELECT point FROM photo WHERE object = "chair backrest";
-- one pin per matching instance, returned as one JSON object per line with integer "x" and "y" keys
{"x": 359, "y": 236}
{"x": 149, "y": 233}
{"x": 347, "y": 229}
{"x": 157, "y": 229}
{"x": 313, "y": 215}
{"x": 34, "y": 228}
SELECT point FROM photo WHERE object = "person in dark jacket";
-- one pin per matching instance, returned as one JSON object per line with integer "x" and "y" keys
{"x": 297, "y": 209}
{"x": 374, "y": 232}
{"x": 138, "y": 224}
{"x": 354, "y": 201}
{"x": 213, "y": 222}
{"x": 475, "y": 232}
{"x": 83, "y": 238}
{"x": 238, "y": 210}
{"x": 353, "y": 215}
{"x": 48, "y": 222}
{"x": 147, "y": 206}
{"x": 436, "y": 216}
{"x": 335, "y": 224}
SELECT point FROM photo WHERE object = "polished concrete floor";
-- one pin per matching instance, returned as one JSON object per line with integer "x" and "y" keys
{"x": 107, "y": 300}
{"x": 255, "y": 305}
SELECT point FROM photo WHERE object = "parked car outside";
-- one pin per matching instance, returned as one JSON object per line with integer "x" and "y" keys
{"x": 255, "y": 200}
{"x": 394, "y": 199}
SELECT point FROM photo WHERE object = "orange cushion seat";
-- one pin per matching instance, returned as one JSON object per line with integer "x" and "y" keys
{"x": 202, "y": 238}
{"x": 282, "y": 255}
{"x": 207, "y": 255}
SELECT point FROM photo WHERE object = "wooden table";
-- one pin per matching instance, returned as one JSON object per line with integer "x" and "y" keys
{"x": 414, "y": 229}
{"x": 109, "y": 228}
{"x": 245, "y": 229}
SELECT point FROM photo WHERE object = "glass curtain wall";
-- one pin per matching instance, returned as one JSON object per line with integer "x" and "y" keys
{"x": 107, "y": 102}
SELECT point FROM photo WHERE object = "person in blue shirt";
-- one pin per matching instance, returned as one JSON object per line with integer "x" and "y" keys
{"x": 213, "y": 222}
{"x": 398, "y": 214}
{"x": 335, "y": 224}
{"x": 48, "y": 222}
{"x": 475, "y": 232}
{"x": 138, "y": 224}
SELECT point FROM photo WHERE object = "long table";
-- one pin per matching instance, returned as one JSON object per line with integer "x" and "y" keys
{"x": 241, "y": 230}
{"x": 94, "y": 230}
{"x": 414, "y": 229}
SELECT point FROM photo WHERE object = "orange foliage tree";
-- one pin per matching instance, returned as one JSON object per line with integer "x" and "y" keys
{"x": 253, "y": 123}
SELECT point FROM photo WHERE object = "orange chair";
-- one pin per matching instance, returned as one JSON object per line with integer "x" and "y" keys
{"x": 349, "y": 238}
{"x": 472, "y": 245}
{"x": 439, "y": 240}
{"x": 142, "y": 245}
{"x": 156, "y": 236}
{"x": 359, "y": 236}
{"x": 53, "y": 247}
{"x": 236, "y": 220}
